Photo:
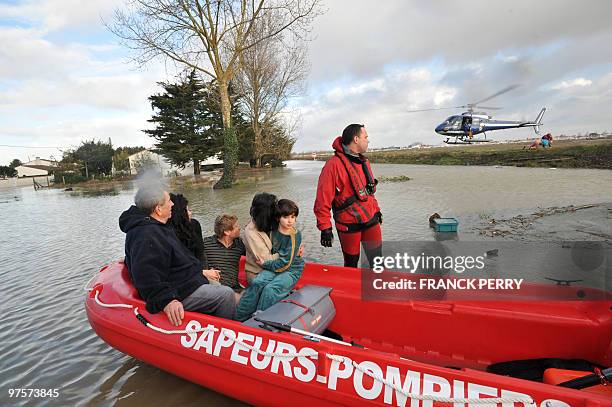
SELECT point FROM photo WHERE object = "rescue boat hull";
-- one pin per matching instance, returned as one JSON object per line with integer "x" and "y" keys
{"x": 228, "y": 357}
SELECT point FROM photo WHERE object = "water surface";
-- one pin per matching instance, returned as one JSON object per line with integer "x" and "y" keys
{"x": 52, "y": 242}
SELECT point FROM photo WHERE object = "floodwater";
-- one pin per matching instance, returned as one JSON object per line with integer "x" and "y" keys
{"x": 52, "y": 242}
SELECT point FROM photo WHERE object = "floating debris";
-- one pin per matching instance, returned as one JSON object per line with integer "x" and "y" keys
{"x": 520, "y": 226}
{"x": 493, "y": 253}
{"x": 398, "y": 178}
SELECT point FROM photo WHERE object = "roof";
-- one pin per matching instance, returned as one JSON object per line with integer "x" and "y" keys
{"x": 41, "y": 164}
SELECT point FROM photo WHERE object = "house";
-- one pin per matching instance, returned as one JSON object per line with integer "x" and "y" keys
{"x": 25, "y": 171}
{"x": 36, "y": 168}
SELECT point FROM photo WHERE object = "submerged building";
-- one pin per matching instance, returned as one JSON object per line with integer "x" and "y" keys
{"x": 39, "y": 167}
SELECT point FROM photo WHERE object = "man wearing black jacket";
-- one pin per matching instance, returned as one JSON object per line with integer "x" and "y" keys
{"x": 167, "y": 276}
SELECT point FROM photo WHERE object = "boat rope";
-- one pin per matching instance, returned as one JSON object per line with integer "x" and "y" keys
{"x": 528, "y": 401}
{"x": 110, "y": 305}
{"x": 86, "y": 287}
{"x": 147, "y": 323}
{"x": 173, "y": 331}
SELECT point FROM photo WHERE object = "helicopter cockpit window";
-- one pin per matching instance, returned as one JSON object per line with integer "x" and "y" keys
{"x": 454, "y": 121}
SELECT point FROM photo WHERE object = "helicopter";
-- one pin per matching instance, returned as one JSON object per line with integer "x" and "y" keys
{"x": 463, "y": 127}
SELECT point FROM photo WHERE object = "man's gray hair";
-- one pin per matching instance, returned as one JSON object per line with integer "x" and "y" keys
{"x": 148, "y": 197}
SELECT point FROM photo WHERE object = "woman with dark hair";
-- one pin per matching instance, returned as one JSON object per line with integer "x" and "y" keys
{"x": 280, "y": 275}
{"x": 256, "y": 237}
{"x": 187, "y": 229}
{"x": 257, "y": 233}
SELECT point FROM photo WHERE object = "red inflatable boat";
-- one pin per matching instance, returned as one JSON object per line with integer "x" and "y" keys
{"x": 403, "y": 353}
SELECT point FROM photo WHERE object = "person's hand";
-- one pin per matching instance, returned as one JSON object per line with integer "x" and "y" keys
{"x": 259, "y": 260}
{"x": 174, "y": 311}
{"x": 379, "y": 214}
{"x": 301, "y": 250}
{"x": 212, "y": 274}
{"x": 327, "y": 237}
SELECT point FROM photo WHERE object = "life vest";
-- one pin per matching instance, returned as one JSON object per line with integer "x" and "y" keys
{"x": 362, "y": 191}
{"x": 346, "y": 188}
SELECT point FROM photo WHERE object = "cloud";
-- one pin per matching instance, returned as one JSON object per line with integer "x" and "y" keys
{"x": 124, "y": 92}
{"x": 354, "y": 37}
{"x": 26, "y": 54}
{"x": 444, "y": 95}
{"x": 59, "y": 87}
{"x": 381, "y": 103}
{"x": 68, "y": 133}
{"x": 510, "y": 59}
{"x": 37, "y": 73}
{"x": 339, "y": 94}
{"x": 54, "y": 15}
{"x": 575, "y": 83}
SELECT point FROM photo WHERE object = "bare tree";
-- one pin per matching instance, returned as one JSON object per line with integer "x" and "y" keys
{"x": 270, "y": 73}
{"x": 208, "y": 36}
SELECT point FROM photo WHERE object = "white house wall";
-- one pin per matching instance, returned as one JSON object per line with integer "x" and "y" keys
{"x": 23, "y": 171}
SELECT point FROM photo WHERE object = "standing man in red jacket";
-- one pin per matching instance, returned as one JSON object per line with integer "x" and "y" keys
{"x": 346, "y": 187}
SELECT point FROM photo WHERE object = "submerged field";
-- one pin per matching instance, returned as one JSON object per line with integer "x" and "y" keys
{"x": 563, "y": 154}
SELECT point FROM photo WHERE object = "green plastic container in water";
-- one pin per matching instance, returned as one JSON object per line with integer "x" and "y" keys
{"x": 446, "y": 224}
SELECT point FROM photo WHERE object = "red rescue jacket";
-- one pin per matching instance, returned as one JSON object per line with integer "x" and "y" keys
{"x": 336, "y": 187}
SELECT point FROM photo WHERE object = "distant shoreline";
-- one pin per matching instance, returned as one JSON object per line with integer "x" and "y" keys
{"x": 106, "y": 185}
{"x": 582, "y": 153}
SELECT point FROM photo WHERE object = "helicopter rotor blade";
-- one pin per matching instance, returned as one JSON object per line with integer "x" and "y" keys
{"x": 501, "y": 92}
{"x": 489, "y": 107}
{"x": 435, "y": 108}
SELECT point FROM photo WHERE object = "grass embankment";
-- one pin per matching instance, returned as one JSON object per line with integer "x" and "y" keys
{"x": 563, "y": 154}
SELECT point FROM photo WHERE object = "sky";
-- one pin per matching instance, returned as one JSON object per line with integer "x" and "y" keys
{"x": 64, "y": 78}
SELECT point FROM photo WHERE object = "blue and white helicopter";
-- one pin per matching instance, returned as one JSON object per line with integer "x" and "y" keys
{"x": 463, "y": 127}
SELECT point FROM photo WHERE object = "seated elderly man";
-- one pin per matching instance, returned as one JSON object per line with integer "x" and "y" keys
{"x": 167, "y": 276}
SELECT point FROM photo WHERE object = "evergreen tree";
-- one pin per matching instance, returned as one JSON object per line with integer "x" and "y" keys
{"x": 188, "y": 123}
{"x": 15, "y": 163}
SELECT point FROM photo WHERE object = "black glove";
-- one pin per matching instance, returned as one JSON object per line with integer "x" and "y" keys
{"x": 327, "y": 237}
{"x": 379, "y": 214}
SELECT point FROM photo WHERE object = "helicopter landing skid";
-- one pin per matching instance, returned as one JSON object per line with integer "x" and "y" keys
{"x": 464, "y": 141}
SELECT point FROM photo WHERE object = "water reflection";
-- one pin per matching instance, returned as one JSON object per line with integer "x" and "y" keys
{"x": 135, "y": 383}
{"x": 95, "y": 192}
